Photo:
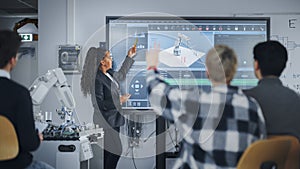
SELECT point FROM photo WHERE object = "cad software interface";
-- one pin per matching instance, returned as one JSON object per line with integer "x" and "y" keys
{"x": 184, "y": 43}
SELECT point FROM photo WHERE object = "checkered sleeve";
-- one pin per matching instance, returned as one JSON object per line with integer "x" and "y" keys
{"x": 240, "y": 123}
{"x": 170, "y": 102}
{"x": 261, "y": 132}
{"x": 216, "y": 127}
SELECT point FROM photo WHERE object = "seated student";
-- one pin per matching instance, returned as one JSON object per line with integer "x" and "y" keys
{"x": 217, "y": 126}
{"x": 280, "y": 105}
{"x": 16, "y": 105}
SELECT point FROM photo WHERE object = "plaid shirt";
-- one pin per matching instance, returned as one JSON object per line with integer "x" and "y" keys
{"x": 216, "y": 127}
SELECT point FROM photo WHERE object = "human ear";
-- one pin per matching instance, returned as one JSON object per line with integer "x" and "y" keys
{"x": 256, "y": 65}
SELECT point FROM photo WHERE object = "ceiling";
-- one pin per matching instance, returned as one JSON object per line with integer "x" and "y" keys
{"x": 18, "y": 7}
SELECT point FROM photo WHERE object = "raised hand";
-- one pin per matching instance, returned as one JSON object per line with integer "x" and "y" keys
{"x": 152, "y": 56}
{"x": 132, "y": 52}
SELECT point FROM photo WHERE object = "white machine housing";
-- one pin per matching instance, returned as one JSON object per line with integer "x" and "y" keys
{"x": 55, "y": 79}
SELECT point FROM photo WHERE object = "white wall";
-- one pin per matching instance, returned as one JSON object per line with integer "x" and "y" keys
{"x": 90, "y": 21}
{"x": 26, "y": 70}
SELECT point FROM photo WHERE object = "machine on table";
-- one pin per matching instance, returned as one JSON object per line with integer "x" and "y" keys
{"x": 65, "y": 145}
{"x": 83, "y": 153}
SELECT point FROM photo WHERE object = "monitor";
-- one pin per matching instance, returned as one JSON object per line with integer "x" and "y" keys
{"x": 184, "y": 42}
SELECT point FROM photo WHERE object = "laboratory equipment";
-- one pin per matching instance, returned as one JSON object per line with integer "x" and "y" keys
{"x": 55, "y": 79}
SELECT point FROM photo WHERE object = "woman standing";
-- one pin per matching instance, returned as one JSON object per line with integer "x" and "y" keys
{"x": 102, "y": 82}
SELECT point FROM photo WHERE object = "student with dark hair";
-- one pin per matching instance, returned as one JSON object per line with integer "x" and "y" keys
{"x": 280, "y": 105}
{"x": 16, "y": 105}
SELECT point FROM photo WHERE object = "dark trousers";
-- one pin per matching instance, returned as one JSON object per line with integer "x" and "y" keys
{"x": 113, "y": 147}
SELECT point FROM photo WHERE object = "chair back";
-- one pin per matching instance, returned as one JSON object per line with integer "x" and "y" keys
{"x": 293, "y": 158}
{"x": 262, "y": 151}
{"x": 9, "y": 146}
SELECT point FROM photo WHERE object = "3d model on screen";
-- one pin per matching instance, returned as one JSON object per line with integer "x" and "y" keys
{"x": 181, "y": 55}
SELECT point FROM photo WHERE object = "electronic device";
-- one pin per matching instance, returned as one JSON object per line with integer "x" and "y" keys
{"x": 68, "y": 58}
{"x": 184, "y": 42}
{"x": 83, "y": 153}
{"x": 55, "y": 79}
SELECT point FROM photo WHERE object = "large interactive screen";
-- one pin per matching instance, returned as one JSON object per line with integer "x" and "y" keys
{"x": 184, "y": 42}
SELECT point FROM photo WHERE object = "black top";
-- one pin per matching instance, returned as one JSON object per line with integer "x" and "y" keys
{"x": 280, "y": 106}
{"x": 107, "y": 94}
{"x": 16, "y": 105}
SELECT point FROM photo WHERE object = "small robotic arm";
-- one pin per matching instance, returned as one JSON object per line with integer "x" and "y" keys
{"x": 179, "y": 42}
{"x": 55, "y": 79}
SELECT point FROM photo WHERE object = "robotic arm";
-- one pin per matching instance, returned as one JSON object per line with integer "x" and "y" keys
{"x": 55, "y": 79}
{"x": 178, "y": 43}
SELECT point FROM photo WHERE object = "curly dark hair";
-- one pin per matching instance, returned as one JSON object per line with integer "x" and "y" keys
{"x": 90, "y": 67}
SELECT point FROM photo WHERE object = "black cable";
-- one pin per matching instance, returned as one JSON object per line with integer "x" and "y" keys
{"x": 149, "y": 136}
{"x": 174, "y": 144}
{"x": 127, "y": 151}
{"x": 133, "y": 159}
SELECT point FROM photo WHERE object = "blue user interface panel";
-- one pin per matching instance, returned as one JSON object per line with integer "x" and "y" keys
{"x": 184, "y": 43}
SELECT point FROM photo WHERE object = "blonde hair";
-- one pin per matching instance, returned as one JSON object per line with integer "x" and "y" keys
{"x": 221, "y": 64}
{"x": 90, "y": 67}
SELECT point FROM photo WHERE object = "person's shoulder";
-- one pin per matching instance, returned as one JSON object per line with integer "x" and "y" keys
{"x": 99, "y": 74}
{"x": 111, "y": 72}
{"x": 254, "y": 92}
{"x": 250, "y": 105}
{"x": 246, "y": 95}
{"x": 291, "y": 92}
{"x": 15, "y": 88}
{"x": 14, "y": 84}
{"x": 19, "y": 87}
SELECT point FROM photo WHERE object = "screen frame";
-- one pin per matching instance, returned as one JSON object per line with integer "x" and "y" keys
{"x": 191, "y": 19}
{"x": 187, "y": 18}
